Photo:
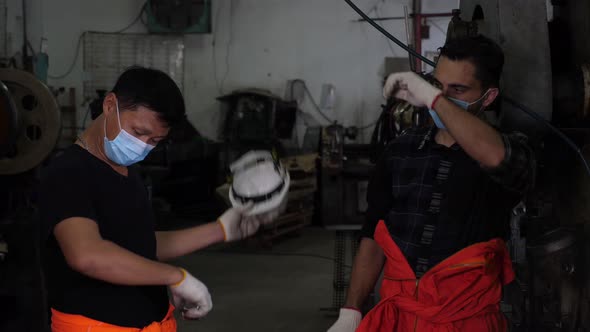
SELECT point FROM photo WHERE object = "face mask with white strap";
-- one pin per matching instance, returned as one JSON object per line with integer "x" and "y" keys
{"x": 461, "y": 103}
{"x": 125, "y": 149}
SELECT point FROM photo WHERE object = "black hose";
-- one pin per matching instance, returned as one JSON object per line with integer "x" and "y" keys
{"x": 388, "y": 35}
{"x": 553, "y": 129}
{"x": 310, "y": 96}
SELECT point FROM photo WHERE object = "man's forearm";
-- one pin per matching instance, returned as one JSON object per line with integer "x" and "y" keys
{"x": 114, "y": 264}
{"x": 366, "y": 269}
{"x": 478, "y": 139}
{"x": 172, "y": 244}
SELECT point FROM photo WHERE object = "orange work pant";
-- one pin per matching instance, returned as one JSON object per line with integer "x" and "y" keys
{"x": 62, "y": 322}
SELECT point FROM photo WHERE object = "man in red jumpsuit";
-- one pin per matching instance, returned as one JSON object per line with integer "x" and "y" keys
{"x": 439, "y": 203}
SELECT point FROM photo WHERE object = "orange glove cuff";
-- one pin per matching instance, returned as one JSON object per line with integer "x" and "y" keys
{"x": 181, "y": 280}
{"x": 223, "y": 229}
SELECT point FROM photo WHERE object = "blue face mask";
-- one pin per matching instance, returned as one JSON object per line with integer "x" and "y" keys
{"x": 125, "y": 149}
{"x": 461, "y": 103}
{"x": 437, "y": 121}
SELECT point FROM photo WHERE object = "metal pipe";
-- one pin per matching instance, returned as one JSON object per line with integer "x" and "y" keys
{"x": 387, "y": 34}
{"x": 409, "y": 40}
{"x": 418, "y": 31}
{"x": 5, "y": 30}
{"x": 25, "y": 39}
{"x": 435, "y": 15}
{"x": 388, "y": 18}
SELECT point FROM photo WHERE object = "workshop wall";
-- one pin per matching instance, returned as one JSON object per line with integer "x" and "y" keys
{"x": 262, "y": 43}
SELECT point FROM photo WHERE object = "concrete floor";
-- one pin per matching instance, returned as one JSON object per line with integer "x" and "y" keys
{"x": 256, "y": 289}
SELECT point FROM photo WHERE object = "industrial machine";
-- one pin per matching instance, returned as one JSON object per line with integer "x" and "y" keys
{"x": 182, "y": 174}
{"x": 547, "y": 69}
{"x": 254, "y": 119}
{"x": 344, "y": 174}
{"x": 179, "y": 16}
{"x": 29, "y": 130}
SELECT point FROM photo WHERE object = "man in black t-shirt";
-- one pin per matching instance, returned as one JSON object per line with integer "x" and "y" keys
{"x": 435, "y": 192}
{"x": 101, "y": 254}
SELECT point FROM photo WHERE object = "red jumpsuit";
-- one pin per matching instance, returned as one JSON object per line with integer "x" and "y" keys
{"x": 461, "y": 293}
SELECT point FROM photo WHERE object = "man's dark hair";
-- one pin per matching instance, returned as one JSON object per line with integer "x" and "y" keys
{"x": 482, "y": 52}
{"x": 153, "y": 89}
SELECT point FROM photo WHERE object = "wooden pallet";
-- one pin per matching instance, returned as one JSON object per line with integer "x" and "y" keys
{"x": 300, "y": 199}
{"x": 288, "y": 223}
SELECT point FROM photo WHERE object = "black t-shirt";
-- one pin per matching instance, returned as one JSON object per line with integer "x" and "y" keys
{"x": 77, "y": 184}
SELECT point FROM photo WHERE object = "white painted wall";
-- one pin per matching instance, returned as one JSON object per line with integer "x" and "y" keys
{"x": 439, "y": 6}
{"x": 438, "y": 25}
{"x": 61, "y": 22}
{"x": 14, "y": 26}
{"x": 265, "y": 43}
{"x": 273, "y": 41}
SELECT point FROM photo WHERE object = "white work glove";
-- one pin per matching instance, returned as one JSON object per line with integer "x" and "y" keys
{"x": 236, "y": 225}
{"x": 268, "y": 217}
{"x": 348, "y": 321}
{"x": 412, "y": 88}
{"x": 191, "y": 296}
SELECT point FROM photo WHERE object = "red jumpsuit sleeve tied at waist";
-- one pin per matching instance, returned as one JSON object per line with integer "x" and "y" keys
{"x": 462, "y": 293}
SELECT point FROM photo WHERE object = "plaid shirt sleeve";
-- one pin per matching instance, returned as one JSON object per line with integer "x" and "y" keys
{"x": 517, "y": 170}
